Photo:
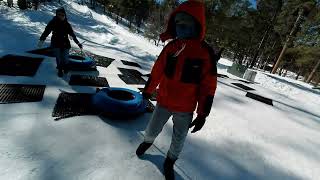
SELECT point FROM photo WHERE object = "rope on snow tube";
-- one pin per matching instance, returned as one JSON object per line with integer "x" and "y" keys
{"x": 76, "y": 61}
{"x": 119, "y": 102}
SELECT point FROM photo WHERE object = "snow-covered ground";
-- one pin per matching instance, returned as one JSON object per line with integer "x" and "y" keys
{"x": 242, "y": 138}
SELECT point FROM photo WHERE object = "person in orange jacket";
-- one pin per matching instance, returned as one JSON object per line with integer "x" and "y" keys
{"x": 186, "y": 74}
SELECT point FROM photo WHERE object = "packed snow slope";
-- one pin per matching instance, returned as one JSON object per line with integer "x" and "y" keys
{"x": 242, "y": 138}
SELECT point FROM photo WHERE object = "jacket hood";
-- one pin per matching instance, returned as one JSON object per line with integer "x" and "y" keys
{"x": 192, "y": 7}
{"x": 62, "y": 10}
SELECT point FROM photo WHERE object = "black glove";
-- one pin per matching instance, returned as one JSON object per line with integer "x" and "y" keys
{"x": 197, "y": 123}
{"x": 80, "y": 46}
{"x": 146, "y": 96}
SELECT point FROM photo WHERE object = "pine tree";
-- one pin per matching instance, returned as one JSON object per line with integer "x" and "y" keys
{"x": 153, "y": 24}
{"x": 301, "y": 11}
{"x": 268, "y": 10}
{"x": 22, "y": 4}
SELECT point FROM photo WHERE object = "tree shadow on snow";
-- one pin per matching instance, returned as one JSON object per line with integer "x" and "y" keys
{"x": 293, "y": 84}
{"x": 133, "y": 124}
{"x": 201, "y": 159}
{"x": 233, "y": 160}
{"x": 298, "y": 111}
{"x": 299, "y": 115}
{"x": 147, "y": 57}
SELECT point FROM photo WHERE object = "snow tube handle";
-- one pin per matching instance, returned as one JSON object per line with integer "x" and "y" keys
{"x": 84, "y": 54}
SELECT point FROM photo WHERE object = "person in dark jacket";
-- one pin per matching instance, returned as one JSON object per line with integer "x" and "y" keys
{"x": 186, "y": 74}
{"x": 60, "y": 28}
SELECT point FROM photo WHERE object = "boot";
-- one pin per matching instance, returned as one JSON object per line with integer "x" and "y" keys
{"x": 168, "y": 168}
{"x": 60, "y": 73}
{"x": 65, "y": 68}
{"x": 143, "y": 147}
{"x": 65, "y": 71}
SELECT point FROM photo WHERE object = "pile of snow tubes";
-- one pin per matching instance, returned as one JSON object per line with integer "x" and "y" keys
{"x": 80, "y": 62}
{"x": 119, "y": 102}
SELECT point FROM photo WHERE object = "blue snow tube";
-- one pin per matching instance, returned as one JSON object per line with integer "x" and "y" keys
{"x": 119, "y": 102}
{"x": 76, "y": 61}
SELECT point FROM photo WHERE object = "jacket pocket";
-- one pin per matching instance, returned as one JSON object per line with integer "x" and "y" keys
{"x": 170, "y": 67}
{"x": 192, "y": 70}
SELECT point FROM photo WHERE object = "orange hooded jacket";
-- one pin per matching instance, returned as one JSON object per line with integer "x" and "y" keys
{"x": 185, "y": 70}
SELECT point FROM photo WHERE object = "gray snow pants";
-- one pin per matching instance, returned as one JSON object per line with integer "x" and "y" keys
{"x": 181, "y": 122}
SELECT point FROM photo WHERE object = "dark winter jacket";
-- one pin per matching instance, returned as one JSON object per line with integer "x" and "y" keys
{"x": 60, "y": 31}
{"x": 186, "y": 69}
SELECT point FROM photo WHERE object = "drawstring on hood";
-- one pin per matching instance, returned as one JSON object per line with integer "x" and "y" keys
{"x": 180, "y": 51}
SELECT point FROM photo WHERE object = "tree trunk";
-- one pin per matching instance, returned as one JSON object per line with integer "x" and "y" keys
{"x": 305, "y": 77}
{"x": 299, "y": 72}
{"x": 158, "y": 41}
{"x": 117, "y": 15}
{"x": 313, "y": 72}
{"x": 117, "y": 19}
{"x": 245, "y": 59}
{"x": 260, "y": 62}
{"x": 241, "y": 59}
{"x": 285, "y": 73}
{"x": 255, "y": 57}
{"x": 262, "y": 42}
{"x": 317, "y": 83}
{"x": 10, "y": 3}
{"x": 248, "y": 63}
{"x": 265, "y": 65}
{"x": 293, "y": 30}
{"x": 93, "y": 4}
{"x": 274, "y": 63}
{"x": 280, "y": 72}
{"x": 35, "y": 4}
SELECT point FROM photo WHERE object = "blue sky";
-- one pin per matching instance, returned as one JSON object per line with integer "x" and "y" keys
{"x": 254, "y": 3}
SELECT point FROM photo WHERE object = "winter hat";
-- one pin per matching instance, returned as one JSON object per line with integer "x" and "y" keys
{"x": 61, "y": 10}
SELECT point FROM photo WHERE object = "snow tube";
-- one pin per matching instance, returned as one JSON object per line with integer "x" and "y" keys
{"x": 119, "y": 102}
{"x": 76, "y": 61}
